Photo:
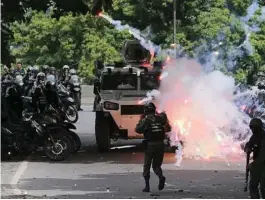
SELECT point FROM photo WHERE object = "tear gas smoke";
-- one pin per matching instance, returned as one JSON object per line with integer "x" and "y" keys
{"x": 204, "y": 106}
{"x": 147, "y": 44}
{"x": 201, "y": 109}
{"x": 136, "y": 33}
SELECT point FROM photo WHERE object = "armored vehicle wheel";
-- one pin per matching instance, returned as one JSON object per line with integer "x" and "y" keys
{"x": 102, "y": 131}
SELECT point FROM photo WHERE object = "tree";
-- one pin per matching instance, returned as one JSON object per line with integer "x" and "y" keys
{"x": 76, "y": 40}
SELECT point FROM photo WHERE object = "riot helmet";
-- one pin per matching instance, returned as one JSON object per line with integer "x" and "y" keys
{"x": 149, "y": 108}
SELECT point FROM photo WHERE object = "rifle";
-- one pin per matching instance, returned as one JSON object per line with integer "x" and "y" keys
{"x": 247, "y": 172}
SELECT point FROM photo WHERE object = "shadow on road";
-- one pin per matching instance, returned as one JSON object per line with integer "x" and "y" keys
{"x": 180, "y": 184}
{"x": 89, "y": 154}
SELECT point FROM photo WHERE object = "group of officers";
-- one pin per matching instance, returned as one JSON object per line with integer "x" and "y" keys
{"x": 154, "y": 126}
{"x": 64, "y": 75}
{"x": 40, "y": 84}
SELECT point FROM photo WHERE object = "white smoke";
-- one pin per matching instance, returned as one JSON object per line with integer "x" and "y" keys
{"x": 147, "y": 44}
{"x": 199, "y": 105}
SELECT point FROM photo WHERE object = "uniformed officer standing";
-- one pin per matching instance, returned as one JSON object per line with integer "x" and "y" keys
{"x": 256, "y": 144}
{"x": 152, "y": 125}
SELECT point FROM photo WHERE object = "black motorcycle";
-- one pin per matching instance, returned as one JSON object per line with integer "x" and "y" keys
{"x": 59, "y": 118}
{"x": 67, "y": 105}
{"x": 47, "y": 133}
{"x": 75, "y": 90}
{"x": 51, "y": 111}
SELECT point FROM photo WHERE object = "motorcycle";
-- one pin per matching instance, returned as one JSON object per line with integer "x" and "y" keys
{"x": 46, "y": 132}
{"x": 68, "y": 105}
{"x": 75, "y": 89}
{"x": 59, "y": 119}
{"x": 37, "y": 131}
{"x": 73, "y": 136}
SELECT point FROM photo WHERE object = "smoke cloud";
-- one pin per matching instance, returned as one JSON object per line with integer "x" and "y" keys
{"x": 200, "y": 105}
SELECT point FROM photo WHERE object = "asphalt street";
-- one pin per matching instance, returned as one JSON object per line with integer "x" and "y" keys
{"x": 118, "y": 174}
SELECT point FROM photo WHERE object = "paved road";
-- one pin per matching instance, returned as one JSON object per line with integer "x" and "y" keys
{"x": 117, "y": 174}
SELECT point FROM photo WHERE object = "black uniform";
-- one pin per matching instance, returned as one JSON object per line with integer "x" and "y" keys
{"x": 256, "y": 145}
{"x": 51, "y": 95}
{"x": 38, "y": 96}
{"x": 153, "y": 128}
{"x": 13, "y": 101}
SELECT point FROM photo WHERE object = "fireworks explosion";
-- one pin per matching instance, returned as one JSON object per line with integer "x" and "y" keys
{"x": 205, "y": 107}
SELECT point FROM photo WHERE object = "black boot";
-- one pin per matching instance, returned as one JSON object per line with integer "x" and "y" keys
{"x": 147, "y": 186}
{"x": 162, "y": 181}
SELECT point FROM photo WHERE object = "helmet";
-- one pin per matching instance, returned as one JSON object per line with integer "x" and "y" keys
{"x": 35, "y": 67}
{"x": 6, "y": 68}
{"x": 52, "y": 70}
{"x": 256, "y": 122}
{"x": 45, "y": 67}
{"x": 40, "y": 76}
{"x": 29, "y": 68}
{"x": 149, "y": 108}
{"x": 19, "y": 80}
{"x": 66, "y": 67}
{"x": 72, "y": 71}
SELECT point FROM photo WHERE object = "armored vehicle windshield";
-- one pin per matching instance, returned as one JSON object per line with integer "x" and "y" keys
{"x": 119, "y": 82}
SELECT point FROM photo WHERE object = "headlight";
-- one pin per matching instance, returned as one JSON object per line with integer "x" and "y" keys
{"x": 70, "y": 99}
{"x": 111, "y": 106}
{"x": 76, "y": 84}
{"x": 76, "y": 89}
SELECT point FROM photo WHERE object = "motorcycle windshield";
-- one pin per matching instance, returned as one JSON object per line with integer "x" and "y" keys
{"x": 19, "y": 79}
{"x": 61, "y": 88}
{"x": 51, "y": 78}
{"x": 74, "y": 79}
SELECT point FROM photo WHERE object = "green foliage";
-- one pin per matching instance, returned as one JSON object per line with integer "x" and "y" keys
{"x": 80, "y": 39}
{"x": 74, "y": 40}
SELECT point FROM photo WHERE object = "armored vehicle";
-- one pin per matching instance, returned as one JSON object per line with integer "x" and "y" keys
{"x": 119, "y": 89}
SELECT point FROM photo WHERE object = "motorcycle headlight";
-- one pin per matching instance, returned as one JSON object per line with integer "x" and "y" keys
{"x": 70, "y": 99}
{"x": 76, "y": 84}
{"x": 76, "y": 89}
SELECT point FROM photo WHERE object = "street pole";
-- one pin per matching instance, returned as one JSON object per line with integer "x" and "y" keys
{"x": 175, "y": 24}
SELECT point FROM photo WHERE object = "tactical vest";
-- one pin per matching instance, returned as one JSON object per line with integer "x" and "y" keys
{"x": 155, "y": 130}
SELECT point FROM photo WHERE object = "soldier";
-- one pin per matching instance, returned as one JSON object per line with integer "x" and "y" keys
{"x": 152, "y": 125}
{"x": 256, "y": 144}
